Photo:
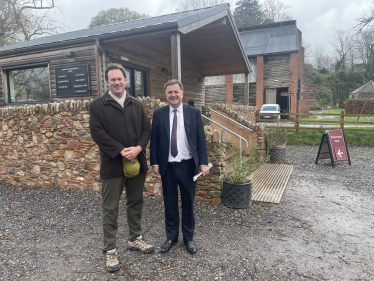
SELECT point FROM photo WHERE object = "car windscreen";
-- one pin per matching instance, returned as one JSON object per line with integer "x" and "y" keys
{"x": 269, "y": 108}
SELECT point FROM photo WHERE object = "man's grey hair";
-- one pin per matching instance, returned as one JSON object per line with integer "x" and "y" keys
{"x": 173, "y": 82}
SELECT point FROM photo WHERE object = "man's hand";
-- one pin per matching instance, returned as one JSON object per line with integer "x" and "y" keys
{"x": 156, "y": 170}
{"x": 131, "y": 152}
{"x": 204, "y": 170}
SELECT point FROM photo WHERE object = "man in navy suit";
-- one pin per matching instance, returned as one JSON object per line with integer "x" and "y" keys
{"x": 178, "y": 151}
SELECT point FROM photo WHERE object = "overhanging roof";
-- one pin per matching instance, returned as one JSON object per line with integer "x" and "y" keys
{"x": 169, "y": 21}
{"x": 274, "y": 38}
{"x": 208, "y": 35}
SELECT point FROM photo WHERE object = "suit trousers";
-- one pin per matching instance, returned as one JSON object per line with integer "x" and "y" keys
{"x": 179, "y": 173}
{"x": 111, "y": 194}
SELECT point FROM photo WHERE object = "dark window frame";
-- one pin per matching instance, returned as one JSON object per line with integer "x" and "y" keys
{"x": 8, "y": 69}
{"x": 131, "y": 68}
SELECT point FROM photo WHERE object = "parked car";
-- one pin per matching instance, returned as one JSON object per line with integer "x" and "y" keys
{"x": 267, "y": 110}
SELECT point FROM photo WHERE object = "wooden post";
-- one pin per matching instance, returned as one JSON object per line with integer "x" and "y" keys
{"x": 176, "y": 56}
{"x": 297, "y": 122}
{"x": 246, "y": 88}
{"x": 342, "y": 120}
{"x": 257, "y": 116}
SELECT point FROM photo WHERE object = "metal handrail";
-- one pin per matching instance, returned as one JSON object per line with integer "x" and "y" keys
{"x": 241, "y": 125}
{"x": 241, "y": 138}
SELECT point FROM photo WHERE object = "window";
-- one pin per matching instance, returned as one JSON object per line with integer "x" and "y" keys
{"x": 29, "y": 84}
{"x": 136, "y": 85}
{"x": 137, "y": 78}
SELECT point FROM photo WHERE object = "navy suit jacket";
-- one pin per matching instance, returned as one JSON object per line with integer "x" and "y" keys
{"x": 160, "y": 137}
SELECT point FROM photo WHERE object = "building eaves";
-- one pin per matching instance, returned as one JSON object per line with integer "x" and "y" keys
{"x": 147, "y": 25}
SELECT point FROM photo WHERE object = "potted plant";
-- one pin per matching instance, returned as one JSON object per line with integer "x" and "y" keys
{"x": 276, "y": 139}
{"x": 237, "y": 186}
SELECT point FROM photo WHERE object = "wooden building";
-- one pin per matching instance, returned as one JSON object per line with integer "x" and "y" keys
{"x": 275, "y": 54}
{"x": 187, "y": 46}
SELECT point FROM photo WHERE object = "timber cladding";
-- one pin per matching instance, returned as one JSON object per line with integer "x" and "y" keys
{"x": 153, "y": 53}
{"x": 215, "y": 94}
{"x": 2, "y": 102}
{"x": 147, "y": 52}
{"x": 276, "y": 70}
{"x": 239, "y": 94}
{"x": 83, "y": 55}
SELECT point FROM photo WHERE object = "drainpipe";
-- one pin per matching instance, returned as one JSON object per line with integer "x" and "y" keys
{"x": 104, "y": 63}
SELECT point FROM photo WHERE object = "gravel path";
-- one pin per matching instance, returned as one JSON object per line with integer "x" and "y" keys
{"x": 323, "y": 229}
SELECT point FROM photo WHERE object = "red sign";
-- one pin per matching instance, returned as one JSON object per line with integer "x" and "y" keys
{"x": 309, "y": 90}
{"x": 289, "y": 82}
{"x": 337, "y": 143}
{"x": 309, "y": 86}
{"x": 308, "y": 97}
{"x": 288, "y": 94}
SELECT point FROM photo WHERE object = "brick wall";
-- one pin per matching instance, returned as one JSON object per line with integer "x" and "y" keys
{"x": 50, "y": 145}
{"x": 229, "y": 89}
{"x": 303, "y": 104}
{"x": 260, "y": 82}
{"x": 294, "y": 77}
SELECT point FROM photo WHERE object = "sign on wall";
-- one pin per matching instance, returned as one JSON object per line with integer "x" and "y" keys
{"x": 72, "y": 81}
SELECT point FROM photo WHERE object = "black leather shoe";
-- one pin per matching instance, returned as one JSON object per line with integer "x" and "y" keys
{"x": 167, "y": 246}
{"x": 191, "y": 247}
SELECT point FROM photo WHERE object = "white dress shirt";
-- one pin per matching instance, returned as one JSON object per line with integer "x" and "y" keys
{"x": 184, "y": 152}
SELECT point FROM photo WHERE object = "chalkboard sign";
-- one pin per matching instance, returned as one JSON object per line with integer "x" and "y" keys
{"x": 334, "y": 146}
{"x": 72, "y": 81}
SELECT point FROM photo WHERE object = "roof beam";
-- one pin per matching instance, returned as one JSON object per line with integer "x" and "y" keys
{"x": 198, "y": 24}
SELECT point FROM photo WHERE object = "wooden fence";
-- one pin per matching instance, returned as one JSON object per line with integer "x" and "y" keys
{"x": 297, "y": 122}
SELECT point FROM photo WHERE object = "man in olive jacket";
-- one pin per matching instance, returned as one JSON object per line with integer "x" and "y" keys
{"x": 120, "y": 127}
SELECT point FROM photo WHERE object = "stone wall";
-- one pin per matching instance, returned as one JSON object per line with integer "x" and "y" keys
{"x": 50, "y": 145}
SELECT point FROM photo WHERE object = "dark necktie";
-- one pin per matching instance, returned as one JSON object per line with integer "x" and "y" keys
{"x": 174, "y": 147}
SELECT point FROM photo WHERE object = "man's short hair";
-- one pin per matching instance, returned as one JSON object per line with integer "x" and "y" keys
{"x": 173, "y": 82}
{"x": 112, "y": 66}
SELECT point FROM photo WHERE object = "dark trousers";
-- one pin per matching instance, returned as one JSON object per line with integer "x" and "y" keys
{"x": 111, "y": 194}
{"x": 179, "y": 174}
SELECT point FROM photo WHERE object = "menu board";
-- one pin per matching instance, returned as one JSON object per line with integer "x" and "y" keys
{"x": 72, "y": 81}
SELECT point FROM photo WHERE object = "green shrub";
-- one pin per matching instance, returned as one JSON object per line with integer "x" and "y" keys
{"x": 241, "y": 171}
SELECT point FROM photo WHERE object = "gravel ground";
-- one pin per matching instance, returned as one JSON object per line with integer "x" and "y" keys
{"x": 323, "y": 229}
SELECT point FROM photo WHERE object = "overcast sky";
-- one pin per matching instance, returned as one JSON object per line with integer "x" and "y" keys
{"x": 315, "y": 18}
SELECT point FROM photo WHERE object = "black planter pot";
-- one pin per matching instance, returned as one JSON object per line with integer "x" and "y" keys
{"x": 278, "y": 154}
{"x": 237, "y": 195}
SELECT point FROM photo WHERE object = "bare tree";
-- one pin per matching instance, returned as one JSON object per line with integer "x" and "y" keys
{"x": 186, "y": 5}
{"x": 22, "y": 20}
{"x": 365, "y": 49}
{"x": 366, "y": 20}
{"x": 342, "y": 43}
{"x": 321, "y": 59}
{"x": 275, "y": 10}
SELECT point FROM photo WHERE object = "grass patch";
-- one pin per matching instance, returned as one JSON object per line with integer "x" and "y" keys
{"x": 313, "y": 137}
{"x": 335, "y": 111}
{"x": 311, "y": 117}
